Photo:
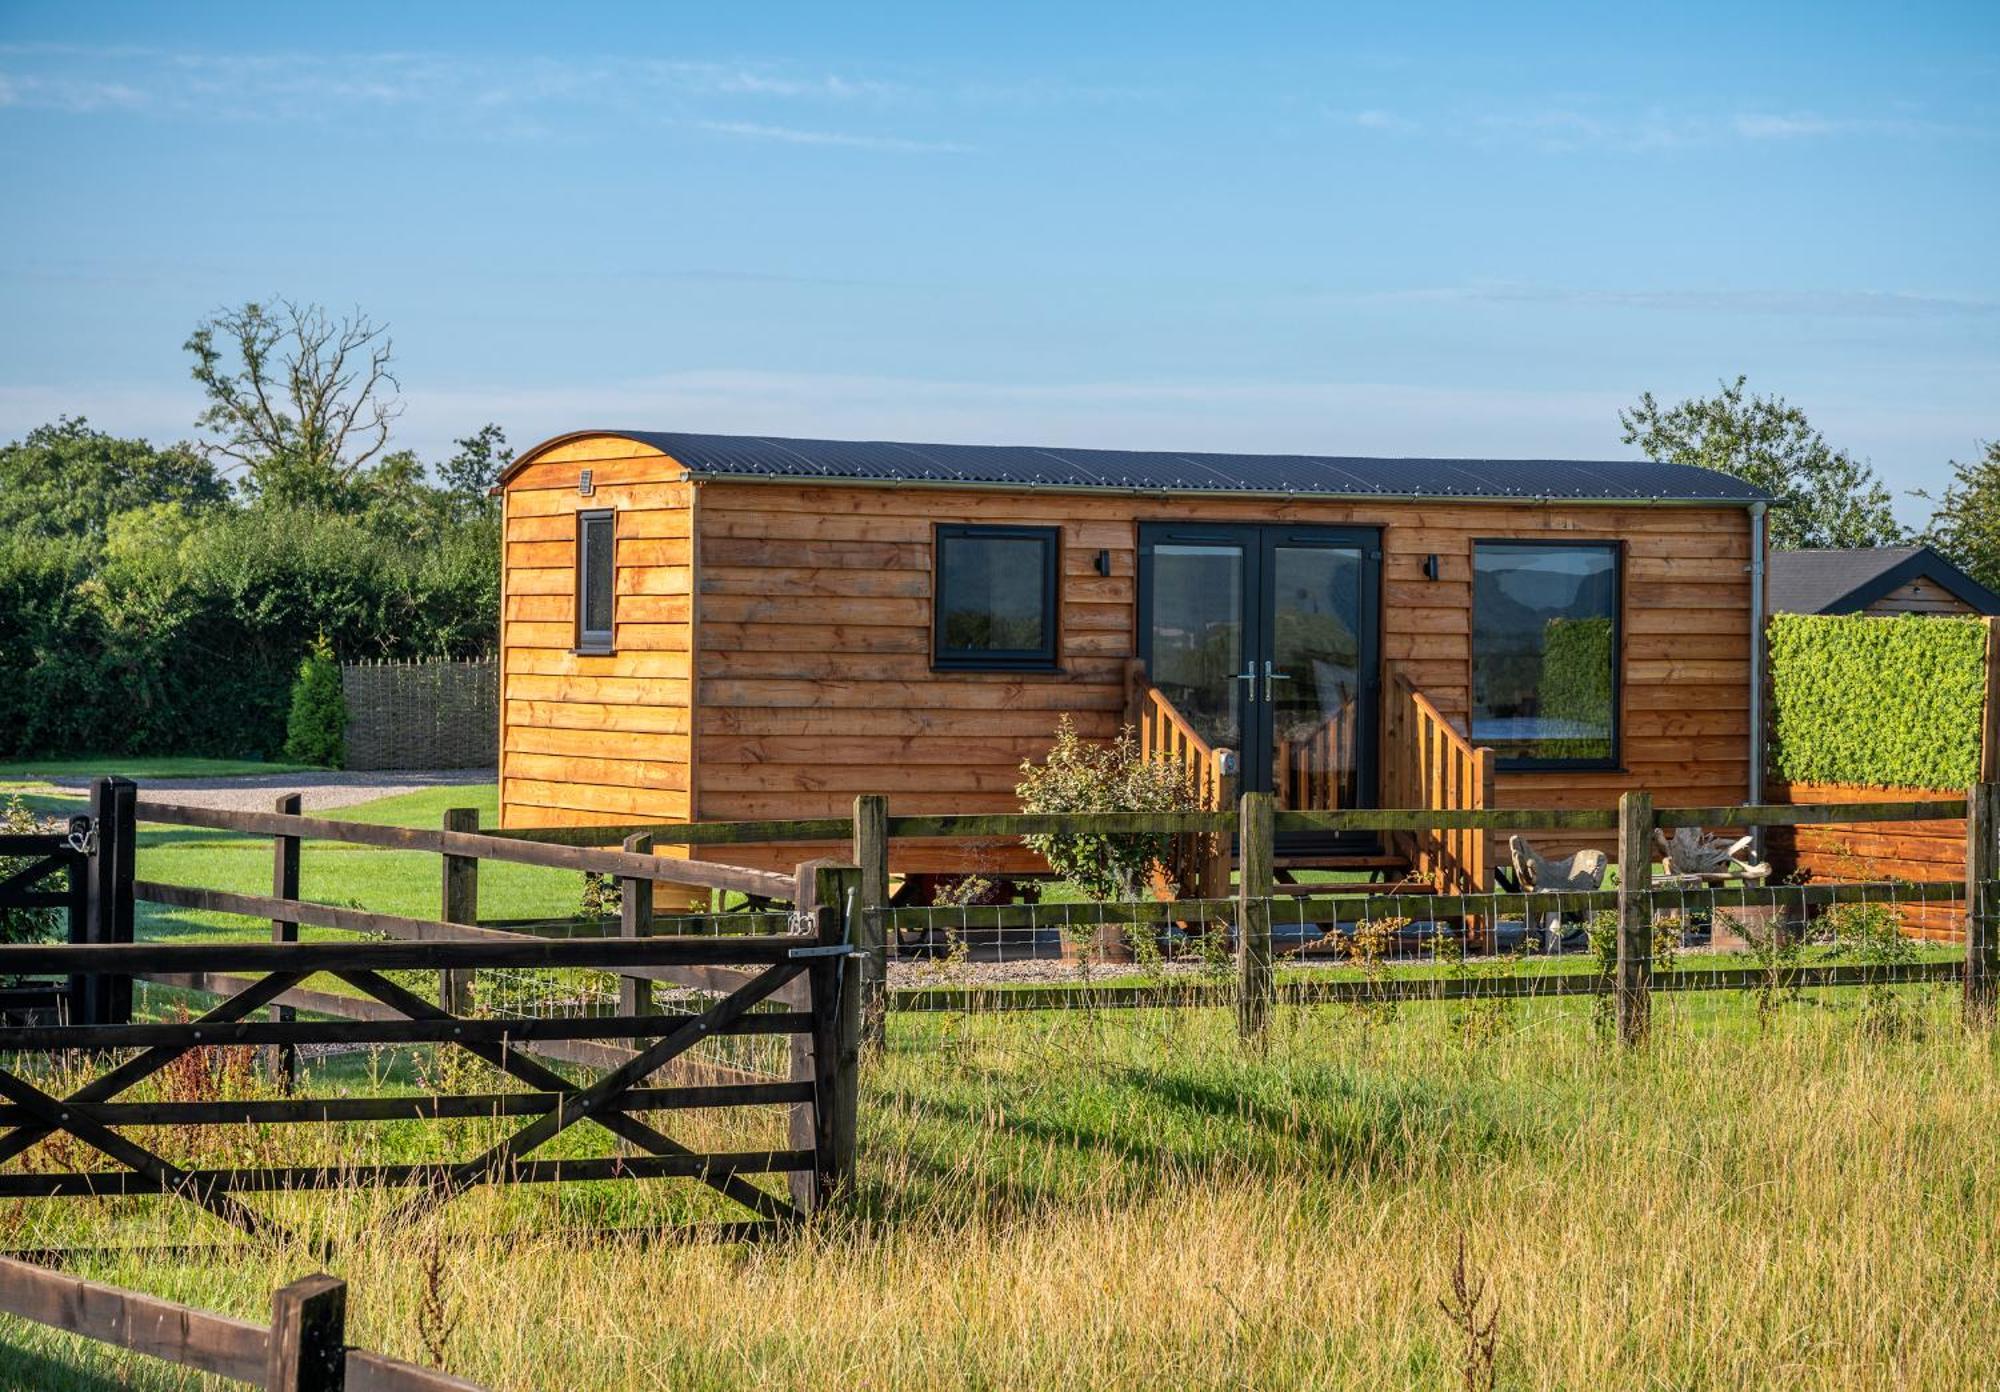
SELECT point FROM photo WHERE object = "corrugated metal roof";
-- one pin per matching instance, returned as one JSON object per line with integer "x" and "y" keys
{"x": 1150, "y": 471}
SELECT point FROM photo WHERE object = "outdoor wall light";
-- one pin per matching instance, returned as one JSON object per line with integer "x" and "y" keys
{"x": 1430, "y": 567}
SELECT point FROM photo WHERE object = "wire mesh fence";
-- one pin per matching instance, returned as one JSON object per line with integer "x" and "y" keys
{"x": 1352, "y": 944}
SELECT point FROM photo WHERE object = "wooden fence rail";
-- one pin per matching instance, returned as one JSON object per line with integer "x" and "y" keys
{"x": 303, "y": 1349}
{"x": 790, "y": 984}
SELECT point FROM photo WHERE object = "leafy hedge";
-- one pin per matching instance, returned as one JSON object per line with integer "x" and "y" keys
{"x": 183, "y": 636}
{"x": 1577, "y": 664}
{"x": 1883, "y": 702}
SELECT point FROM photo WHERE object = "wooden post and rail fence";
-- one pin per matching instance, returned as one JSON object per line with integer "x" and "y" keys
{"x": 303, "y": 1349}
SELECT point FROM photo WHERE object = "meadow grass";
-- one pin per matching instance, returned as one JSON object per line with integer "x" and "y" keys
{"x": 1802, "y": 1196}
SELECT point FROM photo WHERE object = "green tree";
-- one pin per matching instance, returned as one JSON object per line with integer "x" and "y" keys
{"x": 316, "y": 732}
{"x": 1824, "y": 496}
{"x": 299, "y": 401}
{"x": 66, "y": 479}
{"x": 1966, "y": 524}
{"x": 470, "y": 475}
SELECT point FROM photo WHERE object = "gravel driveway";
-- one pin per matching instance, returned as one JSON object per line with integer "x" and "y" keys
{"x": 256, "y": 792}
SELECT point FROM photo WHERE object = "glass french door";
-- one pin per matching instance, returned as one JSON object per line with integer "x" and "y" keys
{"x": 1264, "y": 638}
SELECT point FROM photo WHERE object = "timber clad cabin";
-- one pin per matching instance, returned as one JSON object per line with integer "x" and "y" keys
{"x": 716, "y": 628}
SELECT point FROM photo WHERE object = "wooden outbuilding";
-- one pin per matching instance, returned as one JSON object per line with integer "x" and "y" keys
{"x": 702, "y": 627}
{"x": 1879, "y": 580}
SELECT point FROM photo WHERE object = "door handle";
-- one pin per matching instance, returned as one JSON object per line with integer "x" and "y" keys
{"x": 1250, "y": 677}
{"x": 1269, "y": 677}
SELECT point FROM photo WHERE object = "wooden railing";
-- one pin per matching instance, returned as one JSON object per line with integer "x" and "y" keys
{"x": 1427, "y": 763}
{"x": 1164, "y": 733}
{"x": 1200, "y": 863}
{"x": 1313, "y": 772}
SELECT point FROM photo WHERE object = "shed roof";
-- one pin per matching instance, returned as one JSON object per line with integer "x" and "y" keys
{"x": 1150, "y": 471}
{"x": 1846, "y": 581}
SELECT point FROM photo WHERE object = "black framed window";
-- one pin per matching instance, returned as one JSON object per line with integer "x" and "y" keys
{"x": 1545, "y": 644}
{"x": 994, "y": 598}
{"x": 596, "y": 580}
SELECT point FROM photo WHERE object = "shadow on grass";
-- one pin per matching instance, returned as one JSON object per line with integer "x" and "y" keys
{"x": 47, "y": 1371}
{"x": 1164, "y": 1130}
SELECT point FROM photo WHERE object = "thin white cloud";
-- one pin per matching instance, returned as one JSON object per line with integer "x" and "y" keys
{"x": 1376, "y": 119}
{"x": 791, "y": 135}
{"x": 1578, "y": 127}
{"x": 1857, "y": 304}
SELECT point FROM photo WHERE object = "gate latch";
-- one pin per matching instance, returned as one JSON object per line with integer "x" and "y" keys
{"x": 83, "y": 835}
{"x": 824, "y": 950}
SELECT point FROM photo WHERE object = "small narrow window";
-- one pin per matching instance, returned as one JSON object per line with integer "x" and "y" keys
{"x": 595, "y": 579}
{"x": 994, "y": 598}
{"x": 1545, "y": 653}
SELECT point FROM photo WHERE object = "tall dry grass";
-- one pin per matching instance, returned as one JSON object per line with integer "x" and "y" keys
{"x": 1807, "y": 1198}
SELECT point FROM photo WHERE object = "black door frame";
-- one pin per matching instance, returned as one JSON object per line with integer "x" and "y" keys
{"x": 1259, "y": 542}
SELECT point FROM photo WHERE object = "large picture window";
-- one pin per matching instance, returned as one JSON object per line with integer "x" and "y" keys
{"x": 596, "y": 580}
{"x": 995, "y": 598}
{"x": 1545, "y": 653}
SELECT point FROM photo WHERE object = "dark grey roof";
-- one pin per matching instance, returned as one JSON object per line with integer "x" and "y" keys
{"x": 1848, "y": 581}
{"x": 752, "y": 456}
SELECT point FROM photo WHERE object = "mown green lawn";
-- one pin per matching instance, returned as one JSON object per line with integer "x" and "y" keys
{"x": 136, "y": 767}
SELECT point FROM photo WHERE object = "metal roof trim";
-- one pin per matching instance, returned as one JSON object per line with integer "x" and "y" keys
{"x": 1172, "y": 473}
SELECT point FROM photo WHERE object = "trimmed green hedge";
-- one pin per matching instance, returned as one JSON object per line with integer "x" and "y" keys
{"x": 1883, "y": 702}
{"x": 1577, "y": 665}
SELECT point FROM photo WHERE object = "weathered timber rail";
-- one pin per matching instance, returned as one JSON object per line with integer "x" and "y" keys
{"x": 303, "y": 1349}
{"x": 1255, "y": 823}
{"x": 792, "y": 984}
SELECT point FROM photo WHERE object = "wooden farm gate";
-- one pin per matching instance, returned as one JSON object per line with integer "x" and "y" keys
{"x": 783, "y": 974}
{"x": 83, "y": 879}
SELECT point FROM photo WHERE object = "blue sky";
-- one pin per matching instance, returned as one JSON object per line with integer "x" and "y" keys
{"x": 1386, "y": 230}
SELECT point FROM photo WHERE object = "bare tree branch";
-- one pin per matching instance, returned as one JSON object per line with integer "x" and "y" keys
{"x": 301, "y": 400}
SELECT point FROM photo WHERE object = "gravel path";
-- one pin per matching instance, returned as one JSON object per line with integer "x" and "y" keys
{"x": 255, "y": 792}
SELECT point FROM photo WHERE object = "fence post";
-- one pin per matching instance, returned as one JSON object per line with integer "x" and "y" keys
{"x": 459, "y": 904}
{"x": 827, "y": 1057}
{"x": 283, "y": 1059}
{"x": 1258, "y": 837}
{"x": 108, "y": 1000}
{"x": 871, "y": 854}
{"x": 1982, "y": 934}
{"x": 308, "y": 1348}
{"x": 635, "y": 920}
{"x": 1633, "y": 985}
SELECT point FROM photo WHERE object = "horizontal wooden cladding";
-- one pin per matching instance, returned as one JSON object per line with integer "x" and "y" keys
{"x": 630, "y": 551}
{"x": 587, "y": 448}
{"x": 856, "y": 553}
{"x": 668, "y": 665}
{"x": 731, "y": 638}
{"x": 530, "y": 793}
{"x": 1861, "y": 851}
{"x": 823, "y": 582}
{"x": 1490, "y": 519}
{"x": 653, "y": 746}
{"x": 578, "y": 686}
{"x": 631, "y": 580}
{"x": 522, "y": 714}
{"x": 633, "y": 523}
{"x": 633, "y": 467}
{"x": 626, "y": 770}
{"x": 950, "y": 781}
{"x": 621, "y": 497}
{"x": 889, "y": 666}
{"x": 875, "y": 751}
{"x": 899, "y": 721}
{"x": 792, "y": 803}
{"x": 948, "y": 693}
